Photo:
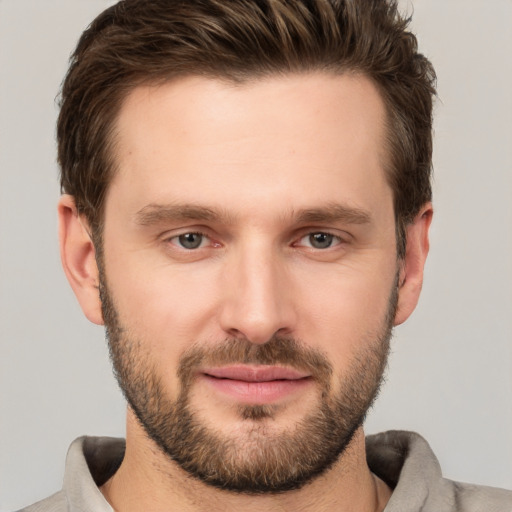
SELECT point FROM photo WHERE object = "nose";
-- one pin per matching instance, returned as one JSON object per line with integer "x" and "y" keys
{"x": 257, "y": 296}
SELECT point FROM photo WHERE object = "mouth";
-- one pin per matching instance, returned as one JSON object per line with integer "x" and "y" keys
{"x": 258, "y": 384}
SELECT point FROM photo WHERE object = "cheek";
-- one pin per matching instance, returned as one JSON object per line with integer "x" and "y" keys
{"x": 164, "y": 313}
{"x": 167, "y": 307}
{"x": 348, "y": 310}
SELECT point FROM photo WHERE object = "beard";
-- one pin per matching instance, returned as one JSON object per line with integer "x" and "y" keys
{"x": 259, "y": 459}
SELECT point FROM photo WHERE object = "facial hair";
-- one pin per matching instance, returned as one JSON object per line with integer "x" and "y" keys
{"x": 261, "y": 460}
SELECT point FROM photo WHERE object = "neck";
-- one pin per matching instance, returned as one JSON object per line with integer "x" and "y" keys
{"x": 149, "y": 480}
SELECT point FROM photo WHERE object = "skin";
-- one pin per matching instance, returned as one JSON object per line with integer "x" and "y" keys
{"x": 259, "y": 154}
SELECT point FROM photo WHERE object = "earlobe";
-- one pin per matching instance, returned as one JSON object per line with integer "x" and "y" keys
{"x": 411, "y": 268}
{"x": 78, "y": 258}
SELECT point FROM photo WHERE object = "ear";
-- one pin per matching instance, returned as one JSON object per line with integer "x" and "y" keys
{"x": 411, "y": 267}
{"x": 79, "y": 258}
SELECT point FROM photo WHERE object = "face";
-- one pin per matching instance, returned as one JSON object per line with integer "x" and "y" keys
{"x": 249, "y": 271}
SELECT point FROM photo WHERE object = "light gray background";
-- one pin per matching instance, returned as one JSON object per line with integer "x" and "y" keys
{"x": 451, "y": 370}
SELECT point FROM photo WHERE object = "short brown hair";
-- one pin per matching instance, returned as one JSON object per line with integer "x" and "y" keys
{"x": 142, "y": 42}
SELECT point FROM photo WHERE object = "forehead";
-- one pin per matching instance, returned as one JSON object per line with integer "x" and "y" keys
{"x": 305, "y": 138}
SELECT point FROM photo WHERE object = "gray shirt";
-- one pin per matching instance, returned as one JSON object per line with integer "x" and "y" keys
{"x": 403, "y": 460}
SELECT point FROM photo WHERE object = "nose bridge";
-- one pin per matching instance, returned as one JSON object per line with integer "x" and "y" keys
{"x": 256, "y": 304}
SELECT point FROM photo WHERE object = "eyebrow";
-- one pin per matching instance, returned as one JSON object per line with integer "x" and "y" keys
{"x": 332, "y": 212}
{"x": 156, "y": 213}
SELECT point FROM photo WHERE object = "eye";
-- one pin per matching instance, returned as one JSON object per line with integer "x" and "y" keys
{"x": 190, "y": 240}
{"x": 320, "y": 240}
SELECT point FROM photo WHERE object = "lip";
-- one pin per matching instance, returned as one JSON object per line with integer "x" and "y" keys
{"x": 255, "y": 384}
{"x": 257, "y": 373}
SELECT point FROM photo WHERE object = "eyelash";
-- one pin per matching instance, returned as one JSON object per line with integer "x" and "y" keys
{"x": 188, "y": 233}
{"x": 335, "y": 240}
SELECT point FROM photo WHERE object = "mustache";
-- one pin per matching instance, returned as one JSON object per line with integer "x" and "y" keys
{"x": 279, "y": 350}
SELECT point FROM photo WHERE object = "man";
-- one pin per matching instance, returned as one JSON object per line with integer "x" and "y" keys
{"x": 246, "y": 209}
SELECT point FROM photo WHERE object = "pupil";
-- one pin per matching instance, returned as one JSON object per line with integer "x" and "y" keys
{"x": 321, "y": 240}
{"x": 190, "y": 240}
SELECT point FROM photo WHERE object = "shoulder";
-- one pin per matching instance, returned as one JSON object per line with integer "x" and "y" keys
{"x": 405, "y": 461}
{"x": 90, "y": 462}
{"x": 479, "y": 498}
{"x": 55, "y": 503}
